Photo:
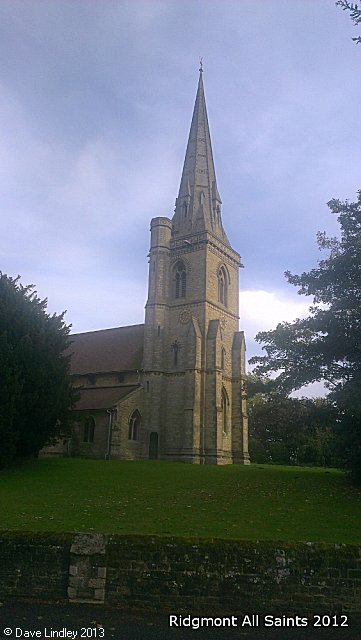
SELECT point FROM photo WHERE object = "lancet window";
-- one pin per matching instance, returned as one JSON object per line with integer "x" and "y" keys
{"x": 175, "y": 349}
{"x": 224, "y": 407}
{"x": 89, "y": 427}
{"x": 134, "y": 425}
{"x": 222, "y": 287}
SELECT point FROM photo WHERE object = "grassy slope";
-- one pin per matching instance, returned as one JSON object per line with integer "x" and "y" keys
{"x": 256, "y": 502}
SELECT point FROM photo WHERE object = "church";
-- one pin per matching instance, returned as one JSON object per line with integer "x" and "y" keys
{"x": 171, "y": 388}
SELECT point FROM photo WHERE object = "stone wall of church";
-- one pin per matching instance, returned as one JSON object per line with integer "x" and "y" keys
{"x": 124, "y": 447}
{"x": 96, "y": 446}
{"x": 173, "y": 415}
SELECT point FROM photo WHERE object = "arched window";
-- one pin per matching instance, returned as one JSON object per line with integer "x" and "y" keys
{"x": 222, "y": 286}
{"x": 185, "y": 209}
{"x": 224, "y": 406}
{"x": 89, "y": 427}
{"x": 180, "y": 280}
{"x": 134, "y": 425}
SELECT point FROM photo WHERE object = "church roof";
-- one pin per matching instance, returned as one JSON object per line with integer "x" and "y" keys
{"x": 118, "y": 349}
{"x": 198, "y": 206}
{"x": 102, "y": 397}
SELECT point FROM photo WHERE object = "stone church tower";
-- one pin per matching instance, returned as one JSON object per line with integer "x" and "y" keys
{"x": 171, "y": 388}
{"x": 194, "y": 353}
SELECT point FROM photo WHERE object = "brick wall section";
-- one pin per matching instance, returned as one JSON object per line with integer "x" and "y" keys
{"x": 182, "y": 575}
{"x": 34, "y": 565}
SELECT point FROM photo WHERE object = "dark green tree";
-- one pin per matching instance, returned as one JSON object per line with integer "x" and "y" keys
{"x": 10, "y": 401}
{"x": 35, "y": 388}
{"x": 289, "y": 430}
{"x": 327, "y": 344}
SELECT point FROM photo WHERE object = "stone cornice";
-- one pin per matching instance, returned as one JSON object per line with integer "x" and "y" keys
{"x": 197, "y": 241}
{"x": 194, "y": 303}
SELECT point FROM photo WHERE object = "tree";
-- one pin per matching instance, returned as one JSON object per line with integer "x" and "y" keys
{"x": 10, "y": 400}
{"x": 289, "y": 430}
{"x": 327, "y": 344}
{"x": 355, "y": 14}
{"x": 35, "y": 389}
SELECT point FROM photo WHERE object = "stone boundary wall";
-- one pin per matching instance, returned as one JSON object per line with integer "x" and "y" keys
{"x": 182, "y": 574}
{"x": 34, "y": 565}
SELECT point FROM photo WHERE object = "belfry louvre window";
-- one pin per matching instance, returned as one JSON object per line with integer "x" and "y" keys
{"x": 89, "y": 427}
{"x": 180, "y": 280}
{"x": 222, "y": 287}
{"x": 134, "y": 425}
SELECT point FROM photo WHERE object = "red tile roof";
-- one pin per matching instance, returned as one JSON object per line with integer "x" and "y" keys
{"x": 118, "y": 349}
{"x": 102, "y": 397}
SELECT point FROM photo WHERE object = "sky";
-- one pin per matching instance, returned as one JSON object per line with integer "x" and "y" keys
{"x": 96, "y": 100}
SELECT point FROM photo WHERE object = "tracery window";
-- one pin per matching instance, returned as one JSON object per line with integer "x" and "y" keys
{"x": 134, "y": 425}
{"x": 222, "y": 287}
{"x": 89, "y": 427}
{"x": 180, "y": 280}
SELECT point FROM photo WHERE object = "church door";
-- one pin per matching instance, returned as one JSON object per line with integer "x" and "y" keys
{"x": 153, "y": 446}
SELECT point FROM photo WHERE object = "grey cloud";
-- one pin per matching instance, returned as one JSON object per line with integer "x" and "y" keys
{"x": 96, "y": 101}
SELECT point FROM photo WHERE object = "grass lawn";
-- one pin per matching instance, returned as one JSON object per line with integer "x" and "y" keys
{"x": 258, "y": 502}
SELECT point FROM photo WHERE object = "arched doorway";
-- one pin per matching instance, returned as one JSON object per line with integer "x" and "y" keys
{"x": 153, "y": 446}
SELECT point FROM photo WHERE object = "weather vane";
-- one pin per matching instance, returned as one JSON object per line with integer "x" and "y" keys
{"x": 201, "y": 65}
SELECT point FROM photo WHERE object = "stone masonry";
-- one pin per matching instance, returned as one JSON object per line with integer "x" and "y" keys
{"x": 194, "y": 354}
{"x": 182, "y": 574}
{"x": 87, "y": 570}
{"x": 172, "y": 388}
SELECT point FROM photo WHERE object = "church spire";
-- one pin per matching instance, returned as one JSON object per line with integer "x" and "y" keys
{"x": 198, "y": 206}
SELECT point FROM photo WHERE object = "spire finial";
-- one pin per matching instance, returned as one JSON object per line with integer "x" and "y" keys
{"x": 201, "y": 65}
